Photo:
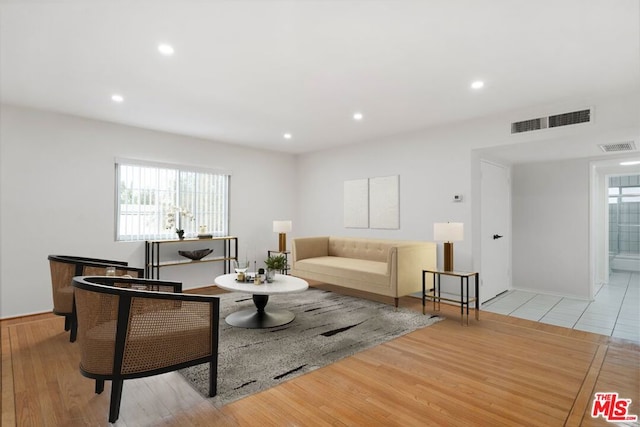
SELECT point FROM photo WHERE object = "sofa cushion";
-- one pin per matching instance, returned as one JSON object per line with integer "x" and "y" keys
{"x": 351, "y": 268}
{"x": 155, "y": 339}
{"x": 365, "y": 249}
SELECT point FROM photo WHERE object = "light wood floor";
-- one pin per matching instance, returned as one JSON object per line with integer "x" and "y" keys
{"x": 498, "y": 371}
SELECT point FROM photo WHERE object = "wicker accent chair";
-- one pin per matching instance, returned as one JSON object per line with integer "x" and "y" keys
{"x": 126, "y": 331}
{"x": 64, "y": 268}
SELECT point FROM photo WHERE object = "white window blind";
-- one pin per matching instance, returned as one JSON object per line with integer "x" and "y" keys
{"x": 153, "y": 200}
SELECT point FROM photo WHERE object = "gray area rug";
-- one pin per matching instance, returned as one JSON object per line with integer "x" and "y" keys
{"x": 327, "y": 328}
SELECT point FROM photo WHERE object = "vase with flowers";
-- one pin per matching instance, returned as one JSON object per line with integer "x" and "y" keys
{"x": 176, "y": 218}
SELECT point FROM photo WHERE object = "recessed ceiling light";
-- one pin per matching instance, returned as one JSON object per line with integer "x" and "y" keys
{"x": 117, "y": 97}
{"x": 165, "y": 49}
{"x": 357, "y": 116}
{"x": 287, "y": 136}
{"x": 478, "y": 84}
{"x": 632, "y": 163}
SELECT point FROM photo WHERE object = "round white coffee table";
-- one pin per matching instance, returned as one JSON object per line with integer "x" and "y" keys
{"x": 261, "y": 317}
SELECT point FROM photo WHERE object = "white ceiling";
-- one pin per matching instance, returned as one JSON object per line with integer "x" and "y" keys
{"x": 246, "y": 71}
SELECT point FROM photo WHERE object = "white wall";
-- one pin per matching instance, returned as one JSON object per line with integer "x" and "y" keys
{"x": 431, "y": 168}
{"x": 57, "y": 187}
{"x": 435, "y": 164}
{"x": 551, "y": 227}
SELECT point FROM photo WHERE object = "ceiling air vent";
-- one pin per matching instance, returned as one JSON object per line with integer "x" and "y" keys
{"x": 619, "y": 146}
{"x": 528, "y": 125}
{"x": 557, "y": 120}
{"x": 573, "y": 118}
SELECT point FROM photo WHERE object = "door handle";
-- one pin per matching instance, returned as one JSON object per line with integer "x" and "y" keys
{"x": 497, "y": 236}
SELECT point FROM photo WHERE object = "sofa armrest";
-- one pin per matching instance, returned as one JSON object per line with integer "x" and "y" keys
{"x": 309, "y": 247}
{"x": 411, "y": 260}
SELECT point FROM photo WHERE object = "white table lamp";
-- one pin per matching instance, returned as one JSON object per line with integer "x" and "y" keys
{"x": 282, "y": 227}
{"x": 448, "y": 232}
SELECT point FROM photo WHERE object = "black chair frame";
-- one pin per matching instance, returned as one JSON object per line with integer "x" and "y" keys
{"x": 108, "y": 285}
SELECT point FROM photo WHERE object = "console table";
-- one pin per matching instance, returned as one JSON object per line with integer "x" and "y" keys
{"x": 463, "y": 299}
{"x": 153, "y": 264}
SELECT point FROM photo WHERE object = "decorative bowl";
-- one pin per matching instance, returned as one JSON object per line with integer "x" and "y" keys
{"x": 197, "y": 254}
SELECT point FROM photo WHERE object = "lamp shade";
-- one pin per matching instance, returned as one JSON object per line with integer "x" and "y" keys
{"x": 281, "y": 226}
{"x": 448, "y": 231}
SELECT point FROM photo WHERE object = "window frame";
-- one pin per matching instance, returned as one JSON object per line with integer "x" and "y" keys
{"x": 161, "y": 229}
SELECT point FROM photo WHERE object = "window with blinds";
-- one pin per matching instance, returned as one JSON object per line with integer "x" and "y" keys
{"x": 154, "y": 200}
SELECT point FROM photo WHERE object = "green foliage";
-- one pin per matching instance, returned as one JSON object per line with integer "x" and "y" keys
{"x": 276, "y": 262}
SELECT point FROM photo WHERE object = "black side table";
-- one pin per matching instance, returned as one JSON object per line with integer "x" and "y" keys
{"x": 464, "y": 298}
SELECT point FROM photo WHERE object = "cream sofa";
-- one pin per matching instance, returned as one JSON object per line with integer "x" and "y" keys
{"x": 386, "y": 267}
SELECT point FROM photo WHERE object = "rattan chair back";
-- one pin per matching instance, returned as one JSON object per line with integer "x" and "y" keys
{"x": 65, "y": 267}
{"x": 127, "y": 330}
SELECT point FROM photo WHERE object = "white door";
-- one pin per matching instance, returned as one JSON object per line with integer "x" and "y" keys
{"x": 495, "y": 229}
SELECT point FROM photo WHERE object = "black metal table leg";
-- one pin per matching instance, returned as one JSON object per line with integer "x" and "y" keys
{"x": 436, "y": 284}
{"x": 467, "y": 288}
{"x": 477, "y": 279}
{"x": 423, "y": 291}
{"x": 260, "y": 317}
{"x": 462, "y": 301}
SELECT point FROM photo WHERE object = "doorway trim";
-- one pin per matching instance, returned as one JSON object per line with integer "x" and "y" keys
{"x": 508, "y": 231}
{"x": 600, "y": 171}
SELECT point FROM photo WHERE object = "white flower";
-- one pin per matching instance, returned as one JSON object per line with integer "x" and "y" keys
{"x": 174, "y": 216}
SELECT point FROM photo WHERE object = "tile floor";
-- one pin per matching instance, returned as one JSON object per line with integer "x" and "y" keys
{"x": 615, "y": 310}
